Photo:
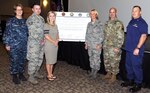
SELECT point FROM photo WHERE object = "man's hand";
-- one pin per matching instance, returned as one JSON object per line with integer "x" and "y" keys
{"x": 136, "y": 51}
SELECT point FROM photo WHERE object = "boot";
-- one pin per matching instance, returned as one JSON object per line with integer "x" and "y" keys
{"x": 91, "y": 73}
{"x": 136, "y": 88}
{"x": 107, "y": 76}
{"x": 32, "y": 79}
{"x": 112, "y": 79}
{"x": 94, "y": 74}
{"x": 127, "y": 83}
{"x": 22, "y": 77}
{"x": 38, "y": 75}
{"x": 16, "y": 79}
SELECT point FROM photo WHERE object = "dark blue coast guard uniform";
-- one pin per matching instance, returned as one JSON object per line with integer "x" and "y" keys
{"x": 15, "y": 36}
{"x": 135, "y": 29}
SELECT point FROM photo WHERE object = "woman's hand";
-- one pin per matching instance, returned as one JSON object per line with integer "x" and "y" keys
{"x": 7, "y": 48}
{"x": 98, "y": 47}
{"x": 86, "y": 46}
{"x": 56, "y": 43}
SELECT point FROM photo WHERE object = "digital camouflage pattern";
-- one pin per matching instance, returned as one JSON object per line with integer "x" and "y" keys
{"x": 16, "y": 36}
{"x": 36, "y": 38}
{"x": 94, "y": 37}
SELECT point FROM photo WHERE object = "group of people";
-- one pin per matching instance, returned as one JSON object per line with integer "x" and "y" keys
{"x": 32, "y": 38}
{"x": 110, "y": 38}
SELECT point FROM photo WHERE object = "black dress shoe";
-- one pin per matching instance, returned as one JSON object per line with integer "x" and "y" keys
{"x": 135, "y": 88}
{"x": 16, "y": 79}
{"x": 127, "y": 83}
{"x": 22, "y": 77}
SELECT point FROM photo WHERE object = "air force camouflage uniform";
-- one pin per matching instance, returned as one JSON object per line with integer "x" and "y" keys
{"x": 15, "y": 36}
{"x": 35, "y": 48}
{"x": 113, "y": 38}
{"x": 94, "y": 37}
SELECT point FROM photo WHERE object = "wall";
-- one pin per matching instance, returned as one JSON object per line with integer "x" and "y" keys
{"x": 6, "y": 6}
{"x": 102, "y": 6}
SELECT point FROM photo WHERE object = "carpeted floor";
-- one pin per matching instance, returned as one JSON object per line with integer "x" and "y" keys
{"x": 70, "y": 79}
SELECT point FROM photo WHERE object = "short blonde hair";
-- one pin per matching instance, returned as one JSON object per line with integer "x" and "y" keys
{"x": 48, "y": 20}
{"x": 94, "y": 10}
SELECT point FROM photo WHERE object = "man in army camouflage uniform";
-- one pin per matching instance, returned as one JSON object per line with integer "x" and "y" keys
{"x": 35, "y": 25}
{"x": 93, "y": 42}
{"x": 113, "y": 40}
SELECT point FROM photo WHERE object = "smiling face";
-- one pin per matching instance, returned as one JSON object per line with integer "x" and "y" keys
{"x": 93, "y": 15}
{"x": 52, "y": 17}
{"x": 136, "y": 12}
{"x": 36, "y": 9}
{"x": 18, "y": 11}
{"x": 112, "y": 13}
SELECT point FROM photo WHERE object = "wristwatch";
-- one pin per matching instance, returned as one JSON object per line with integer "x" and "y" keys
{"x": 137, "y": 48}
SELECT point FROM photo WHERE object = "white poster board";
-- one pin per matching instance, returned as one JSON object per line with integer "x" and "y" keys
{"x": 72, "y": 25}
{"x": 124, "y": 8}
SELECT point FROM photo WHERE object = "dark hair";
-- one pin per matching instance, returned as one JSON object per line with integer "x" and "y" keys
{"x": 35, "y": 3}
{"x": 16, "y": 5}
{"x": 137, "y": 7}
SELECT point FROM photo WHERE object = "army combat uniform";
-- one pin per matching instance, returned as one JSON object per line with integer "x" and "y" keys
{"x": 113, "y": 38}
{"x": 94, "y": 37}
{"x": 15, "y": 36}
{"x": 35, "y": 47}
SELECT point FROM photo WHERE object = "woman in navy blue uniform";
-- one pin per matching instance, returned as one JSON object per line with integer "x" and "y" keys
{"x": 15, "y": 40}
{"x": 137, "y": 31}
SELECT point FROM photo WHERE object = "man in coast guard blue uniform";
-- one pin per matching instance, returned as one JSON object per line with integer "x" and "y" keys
{"x": 15, "y": 40}
{"x": 137, "y": 30}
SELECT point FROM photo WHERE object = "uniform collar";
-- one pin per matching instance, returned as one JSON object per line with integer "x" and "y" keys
{"x": 137, "y": 19}
{"x": 96, "y": 21}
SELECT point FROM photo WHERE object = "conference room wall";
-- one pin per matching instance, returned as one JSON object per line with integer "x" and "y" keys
{"x": 102, "y": 6}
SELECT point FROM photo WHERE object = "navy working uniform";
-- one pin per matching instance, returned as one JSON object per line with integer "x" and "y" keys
{"x": 15, "y": 36}
{"x": 135, "y": 29}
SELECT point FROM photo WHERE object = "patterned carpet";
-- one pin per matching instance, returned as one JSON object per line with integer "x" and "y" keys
{"x": 70, "y": 79}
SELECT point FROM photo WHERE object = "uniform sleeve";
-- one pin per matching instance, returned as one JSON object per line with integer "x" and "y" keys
{"x": 87, "y": 35}
{"x": 7, "y": 34}
{"x": 144, "y": 28}
{"x": 120, "y": 35}
{"x": 101, "y": 34}
{"x": 30, "y": 24}
{"x": 46, "y": 29}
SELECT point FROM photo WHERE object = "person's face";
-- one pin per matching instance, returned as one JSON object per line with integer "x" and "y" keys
{"x": 136, "y": 13}
{"x": 18, "y": 11}
{"x": 36, "y": 9}
{"x": 93, "y": 15}
{"x": 112, "y": 13}
{"x": 52, "y": 17}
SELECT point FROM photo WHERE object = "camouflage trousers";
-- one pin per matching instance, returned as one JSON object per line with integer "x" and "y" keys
{"x": 94, "y": 58}
{"x": 17, "y": 57}
{"x": 35, "y": 57}
{"x": 111, "y": 60}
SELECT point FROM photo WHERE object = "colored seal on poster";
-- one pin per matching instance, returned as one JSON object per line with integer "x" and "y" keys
{"x": 63, "y": 14}
{"x": 71, "y": 14}
{"x": 79, "y": 14}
